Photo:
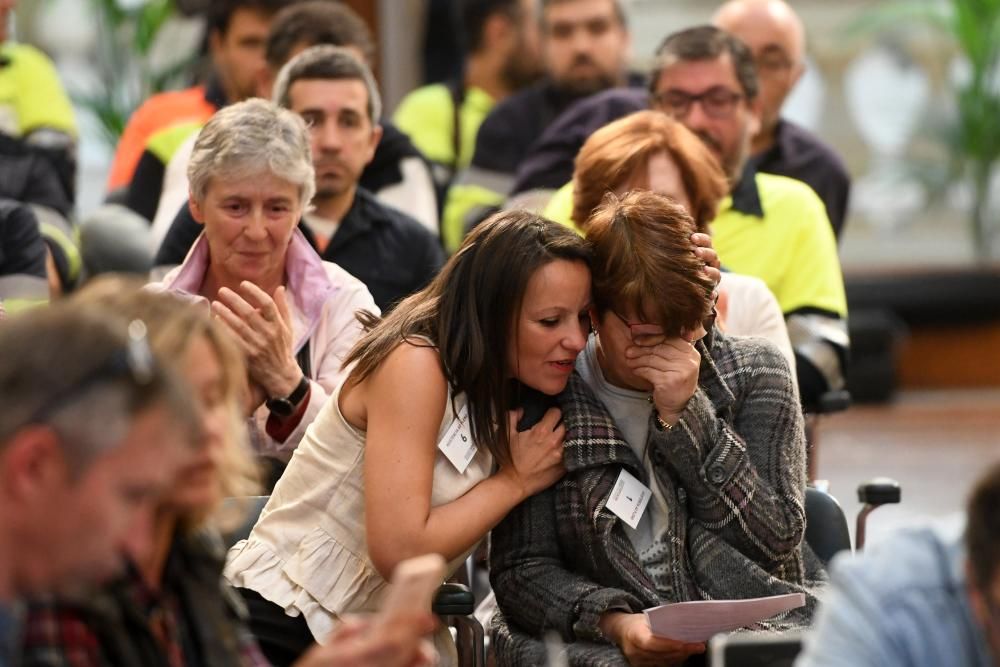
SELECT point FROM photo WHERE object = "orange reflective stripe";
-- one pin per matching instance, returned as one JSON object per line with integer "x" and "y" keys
{"x": 158, "y": 112}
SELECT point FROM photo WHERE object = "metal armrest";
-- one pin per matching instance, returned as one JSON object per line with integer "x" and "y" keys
{"x": 873, "y": 494}
{"x": 456, "y": 604}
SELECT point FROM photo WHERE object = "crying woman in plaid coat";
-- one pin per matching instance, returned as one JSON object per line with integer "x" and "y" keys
{"x": 685, "y": 457}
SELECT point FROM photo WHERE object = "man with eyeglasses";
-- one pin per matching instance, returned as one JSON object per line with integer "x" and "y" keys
{"x": 926, "y": 597}
{"x": 771, "y": 227}
{"x": 91, "y": 432}
{"x": 776, "y": 37}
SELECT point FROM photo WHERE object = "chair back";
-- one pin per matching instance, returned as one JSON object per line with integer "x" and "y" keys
{"x": 826, "y": 525}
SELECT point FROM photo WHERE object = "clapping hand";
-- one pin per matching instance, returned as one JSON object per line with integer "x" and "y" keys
{"x": 262, "y": 326}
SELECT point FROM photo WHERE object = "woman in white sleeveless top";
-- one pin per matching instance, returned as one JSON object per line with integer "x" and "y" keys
{"x": 417, "y": 451}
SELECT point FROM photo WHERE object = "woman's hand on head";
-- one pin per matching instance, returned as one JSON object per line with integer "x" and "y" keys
{"x": 706, "y": 253}
{"x": 536, "y": 454}
{"x": 671, "y": 366}
{"x": 631, "y": 633}
{"x": 262, "y": 326}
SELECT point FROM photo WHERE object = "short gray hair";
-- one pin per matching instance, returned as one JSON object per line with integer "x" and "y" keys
{"x": 331, "y": 63}
{"x": 66, "y": 366}
{"x": 251, "y": 137}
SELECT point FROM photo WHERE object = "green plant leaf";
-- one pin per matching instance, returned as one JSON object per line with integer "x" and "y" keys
{"x": 124, "y": 42}
{"x": 149, "y": 22}
{"x": 109, "y": 9}
{"x": 111, "y": 117}
{"x": 973, "y": 27}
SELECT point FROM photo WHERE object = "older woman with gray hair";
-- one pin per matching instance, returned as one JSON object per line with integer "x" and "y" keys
{"x": 293, "y": 315}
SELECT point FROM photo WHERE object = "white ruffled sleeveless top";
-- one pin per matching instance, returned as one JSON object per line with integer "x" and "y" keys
{"x": 308, "y": 552}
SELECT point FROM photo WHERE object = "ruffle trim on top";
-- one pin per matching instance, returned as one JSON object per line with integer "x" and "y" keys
{"x": 340, "y": 582}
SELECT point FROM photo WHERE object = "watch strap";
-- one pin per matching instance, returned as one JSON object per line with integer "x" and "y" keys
{"x": 299, "y": 392}
{"x": 285, "y": 406}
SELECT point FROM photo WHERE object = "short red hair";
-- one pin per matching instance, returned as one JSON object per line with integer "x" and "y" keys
{"x": 619, "y": 153}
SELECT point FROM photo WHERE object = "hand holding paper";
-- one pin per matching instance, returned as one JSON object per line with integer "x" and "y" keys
{"x": 698, "y": 621}
{"x": 631, "y": 633}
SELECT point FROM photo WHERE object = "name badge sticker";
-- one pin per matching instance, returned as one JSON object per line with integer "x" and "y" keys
{"x": 457, "y": 444}
{"x": 629, "y": 499}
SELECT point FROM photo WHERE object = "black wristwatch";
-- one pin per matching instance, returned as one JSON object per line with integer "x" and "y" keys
{"x": 285, "y": 407}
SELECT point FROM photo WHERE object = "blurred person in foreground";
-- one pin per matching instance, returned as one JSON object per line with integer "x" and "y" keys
{"x": 172, "y": 606}
{"x": 93, "y": 430}
{"x": 925, "y": 597}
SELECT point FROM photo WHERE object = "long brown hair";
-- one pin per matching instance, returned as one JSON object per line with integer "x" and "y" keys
{"x": 644, "y": 261}
{"x": 620, "y": 151}
{"x": 469, "y": 312}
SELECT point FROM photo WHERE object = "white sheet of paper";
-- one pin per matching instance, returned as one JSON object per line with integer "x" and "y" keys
{"x": 457, "y": 444}
{"x": 629, "y": 498}
{"x": 697, "y": 621}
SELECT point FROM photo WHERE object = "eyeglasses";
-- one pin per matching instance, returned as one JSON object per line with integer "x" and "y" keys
{"x": 134, "y": 361}
{"x": 717, "y": 102}
{"x": 632, "y": 325}
{"x": 707, "y": 323}
{"x": 626, "y": 322}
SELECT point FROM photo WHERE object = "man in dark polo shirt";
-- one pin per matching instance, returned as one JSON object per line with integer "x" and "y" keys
{"x": 392, "y": 254}
{"x": 776, "y": 38}
{"x": 585, "y": 47}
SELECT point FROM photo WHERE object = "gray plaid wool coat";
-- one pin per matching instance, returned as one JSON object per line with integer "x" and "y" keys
{"x": 733, "y": 471}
